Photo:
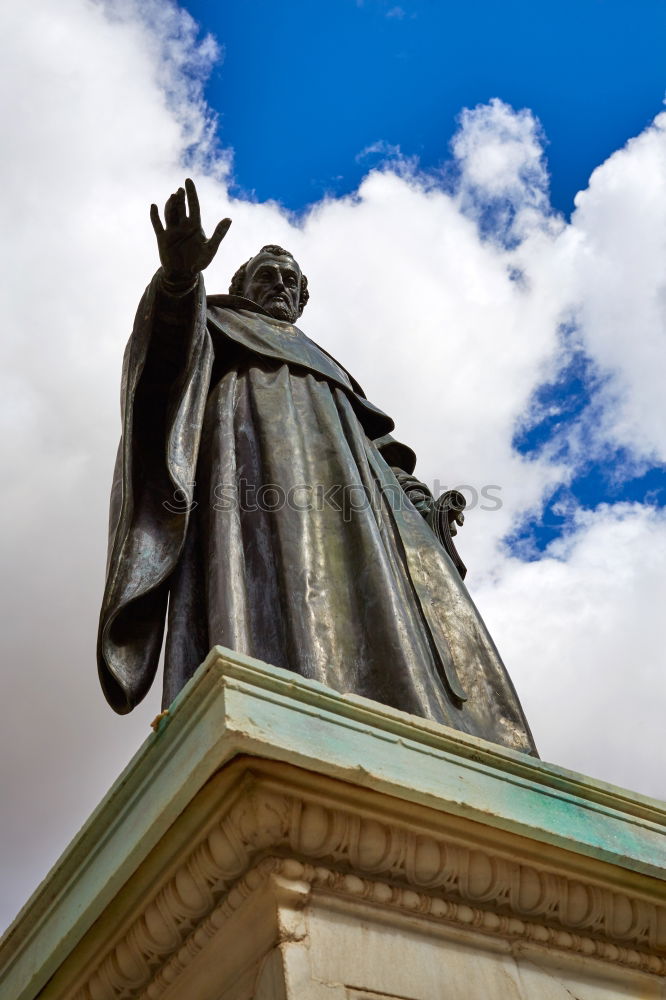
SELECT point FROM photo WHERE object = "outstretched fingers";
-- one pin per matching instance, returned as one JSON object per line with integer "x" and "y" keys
{"x": 156, "y": 221}
{"x": 221, "y": 230}
{"x": 171, "y": 214}
{"x": 174, "y": 210}
{"x": 213, "y": 243}
{"x": 182, "y": 231}
{"x": 193, "y": 202}
{"x": 180, "y": 204}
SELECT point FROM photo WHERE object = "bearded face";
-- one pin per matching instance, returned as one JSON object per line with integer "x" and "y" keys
{"x": 274, "y": 283}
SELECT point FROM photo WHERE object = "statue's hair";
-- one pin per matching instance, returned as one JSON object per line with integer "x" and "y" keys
{"x": 238, "y": 280}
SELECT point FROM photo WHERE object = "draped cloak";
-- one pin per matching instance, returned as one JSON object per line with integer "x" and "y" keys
{"x": 255, "y": 506}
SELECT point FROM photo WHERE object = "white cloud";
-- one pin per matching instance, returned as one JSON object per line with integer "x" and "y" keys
{"x": 620, "y": 223}
{"x": 409, "y": 296}
{"x": 382, "y": 148}
{"x": 500, "y": 155}
{"x": 583, "y": 623}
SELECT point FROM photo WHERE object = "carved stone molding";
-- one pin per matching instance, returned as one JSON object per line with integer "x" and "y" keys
{"x": 397, "y": 897}
{"x": 267, "y": 832}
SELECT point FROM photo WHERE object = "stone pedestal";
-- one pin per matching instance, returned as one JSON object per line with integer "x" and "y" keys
{"x": 275, "y": 840}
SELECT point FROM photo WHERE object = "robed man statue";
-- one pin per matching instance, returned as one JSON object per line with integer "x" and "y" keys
{"x": 260, "y": 503}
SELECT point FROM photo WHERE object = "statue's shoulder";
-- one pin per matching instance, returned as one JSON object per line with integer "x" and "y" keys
{"x": 233, "y": 302}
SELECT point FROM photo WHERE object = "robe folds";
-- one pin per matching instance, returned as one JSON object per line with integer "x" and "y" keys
{"x": 255, "y": 506}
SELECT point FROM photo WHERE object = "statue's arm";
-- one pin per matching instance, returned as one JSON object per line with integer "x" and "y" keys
{"x": 166, "y": 375}
{"x": 443, "y": 514}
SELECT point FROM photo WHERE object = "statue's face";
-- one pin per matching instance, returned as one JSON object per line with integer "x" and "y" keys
{"x": 274, "y": 283}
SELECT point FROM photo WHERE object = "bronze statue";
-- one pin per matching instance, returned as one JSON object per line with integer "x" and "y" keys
{"x": 260, "y": 503}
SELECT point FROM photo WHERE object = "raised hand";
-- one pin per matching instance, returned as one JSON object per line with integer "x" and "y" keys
{"x": 184, "y": 249}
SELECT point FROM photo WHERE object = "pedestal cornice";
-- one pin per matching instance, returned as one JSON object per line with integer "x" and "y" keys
{"x": 257, "y": 774}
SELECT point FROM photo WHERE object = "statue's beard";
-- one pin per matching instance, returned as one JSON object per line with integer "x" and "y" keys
{"x": 280, "y": 309}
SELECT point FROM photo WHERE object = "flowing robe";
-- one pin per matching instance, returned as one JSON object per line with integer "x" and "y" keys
{"x": 253, "y": 497}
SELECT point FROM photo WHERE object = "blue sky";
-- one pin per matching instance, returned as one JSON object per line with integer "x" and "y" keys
{"x": 305, "y": 87}
{"x": 305, "y": 90}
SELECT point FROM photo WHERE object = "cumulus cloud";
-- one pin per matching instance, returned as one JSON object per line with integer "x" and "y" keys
{"x": 620, "y": 282}
{"x": 503, "y": 175}
{"x": 583, "y": 622}
{"x": 445, "y": 300}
